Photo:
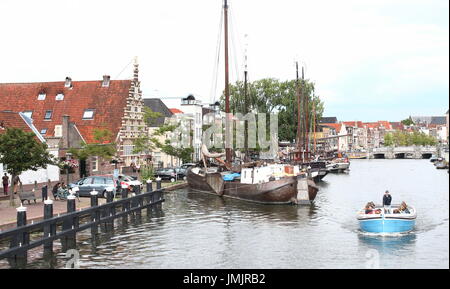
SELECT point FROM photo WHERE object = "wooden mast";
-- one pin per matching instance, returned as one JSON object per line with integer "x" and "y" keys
{"x": 306, "y": 100}
{"x": 227, "y": 90}
{"x": 298, "y": 111}
{"x": 245, "y": 109}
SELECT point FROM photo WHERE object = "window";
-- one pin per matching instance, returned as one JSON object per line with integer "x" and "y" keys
{"x": 58, "y": 130}
{"x": 41, "y": 96}
{"x": 88, "y": 114}
{"x": 28, "y": 113}
{"x": 43, "y": 131}
{"x": 98, "y": 181}
{"x": 48, "y": 114}
{"x": 128, "y": 150}
{"x": 94, "y": 164}
{"x": 59, "y": 96}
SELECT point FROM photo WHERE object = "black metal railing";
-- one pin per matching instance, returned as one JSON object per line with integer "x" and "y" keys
{"x": 65, "y": 226}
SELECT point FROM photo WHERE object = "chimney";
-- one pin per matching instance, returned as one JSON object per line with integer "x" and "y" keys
{"x": 106, "y": 79}
{"x": 65, "y": 131}
{"x": 68, "y": 82}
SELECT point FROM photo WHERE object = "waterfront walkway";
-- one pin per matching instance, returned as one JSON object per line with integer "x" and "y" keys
{"x": 35, "y": 212}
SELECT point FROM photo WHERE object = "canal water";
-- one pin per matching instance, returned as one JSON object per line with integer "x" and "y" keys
{"x": 204, "y": 231}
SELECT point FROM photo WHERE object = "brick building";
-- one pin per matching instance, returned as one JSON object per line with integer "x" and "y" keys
{"x": 66, "y": 113}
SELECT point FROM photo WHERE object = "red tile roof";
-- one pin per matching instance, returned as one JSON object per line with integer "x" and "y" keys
{"x": 107, "y": 102}
{"x": 397, "y": 126}
{"x": 336, "y": 126}
{"x": 175, "y": 110}
{"x": 10, "y": 119}
{"x": 358, "y": 124}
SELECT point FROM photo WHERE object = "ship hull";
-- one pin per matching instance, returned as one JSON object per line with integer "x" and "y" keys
{"x": 282, "y": 191}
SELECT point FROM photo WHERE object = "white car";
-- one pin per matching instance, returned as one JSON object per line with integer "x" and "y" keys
{"x": 129, "y": 181}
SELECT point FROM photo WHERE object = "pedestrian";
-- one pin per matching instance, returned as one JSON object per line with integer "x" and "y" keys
{"x": 16, "y": 182}
{"x": 387, "y": 199}
{"x": 5, "y": 179}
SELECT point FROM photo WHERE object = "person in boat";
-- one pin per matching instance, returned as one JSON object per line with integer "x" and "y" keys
{"x": 403, "y": 209}
{"x": 369, "y": 208}
{"x": 387, "y": 199}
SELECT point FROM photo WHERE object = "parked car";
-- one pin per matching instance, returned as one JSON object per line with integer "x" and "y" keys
{"x": 166, "y": 173}
{"x": 130, "y": 181}
{"x": 98, "y": 183}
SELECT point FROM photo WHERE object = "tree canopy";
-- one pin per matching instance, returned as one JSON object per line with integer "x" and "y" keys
{"x": 20, "y": 151}
{"x": 401, "y": 138}
{"x": 103, "y": 146}
{"x": 270, "y": 95}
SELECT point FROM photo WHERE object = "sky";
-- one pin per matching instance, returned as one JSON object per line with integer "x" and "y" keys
{"x": 369, "y": 59}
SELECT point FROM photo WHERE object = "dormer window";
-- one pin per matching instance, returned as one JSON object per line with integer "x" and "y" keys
{"x": 48, "y": 115}
{"x": 41, "y": 96}
{"x": 28, "y": 113}
{"x": 59, "y": 96}
{"x": 88, "y": 114}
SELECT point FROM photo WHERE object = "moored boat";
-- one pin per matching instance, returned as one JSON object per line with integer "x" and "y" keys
{"x": 252, "y": 186}
{"x": 387, "y": 223}
{"x": 338, "y": 165}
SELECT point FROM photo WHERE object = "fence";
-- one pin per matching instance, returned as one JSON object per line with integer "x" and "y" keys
{"x": 75, "y": 221}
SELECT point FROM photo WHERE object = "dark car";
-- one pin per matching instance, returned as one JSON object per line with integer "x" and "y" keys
{"x": 97, "y": 183}
{"x": 166, "y": 173}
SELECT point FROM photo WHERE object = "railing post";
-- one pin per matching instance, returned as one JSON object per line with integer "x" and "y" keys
{"x": 69, "y": 240}
{"x": 158, "y": 183}
{"x": 19, "y": 260}
{"x": 95, "y": 216}
{"x": 49, "y": 229}
{"x": 124, "y": 204}
{"x": 148, "y": 199}
{"x": 149, "y": 186}
{"x": 111, "y": 211}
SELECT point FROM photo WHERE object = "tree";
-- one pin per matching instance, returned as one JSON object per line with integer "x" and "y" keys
{"x": 408, "y": 121}
{"x": 148, "y": 142}
{"x": 273, "y": 96}
{"x": 102, "y": 147}
{"x": 401, "y": 138}
{"x": 20, "y": 151}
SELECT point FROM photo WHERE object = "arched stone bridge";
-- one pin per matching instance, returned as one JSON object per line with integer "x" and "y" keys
{"x": 411, "y": 152}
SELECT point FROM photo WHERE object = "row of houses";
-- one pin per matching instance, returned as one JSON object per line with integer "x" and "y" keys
{"x": 66, "y": 114}
{"x": 355, "y": 136}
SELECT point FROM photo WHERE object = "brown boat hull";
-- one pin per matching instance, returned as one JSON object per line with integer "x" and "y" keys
{"x": 282, "y": 191}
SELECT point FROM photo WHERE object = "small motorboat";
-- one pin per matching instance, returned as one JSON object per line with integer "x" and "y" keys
{"x": 379, "y": 222}
{"x": 441, "y": 165}
{"x": 338, "y": 165}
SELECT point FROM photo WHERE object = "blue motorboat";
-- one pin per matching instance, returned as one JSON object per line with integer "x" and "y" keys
{"x": 381, "y": 222}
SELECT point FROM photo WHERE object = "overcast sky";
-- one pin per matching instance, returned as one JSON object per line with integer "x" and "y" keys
{"x": 370, "y": 59}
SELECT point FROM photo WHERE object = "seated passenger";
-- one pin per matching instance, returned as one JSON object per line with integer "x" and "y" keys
{"x": 369, "y": 209}
{"x": 404, "y": 209}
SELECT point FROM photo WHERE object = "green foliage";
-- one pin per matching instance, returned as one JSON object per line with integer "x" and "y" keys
{"x": 273, "y": 96}
{"x": 146, "y": 172}
{"x": 408, "y": 121}
{"x": 103, "y": 146}
{"x": 149, "y": 143}
{"x": 401, "y": 138}
{"x": 20, "y": 151}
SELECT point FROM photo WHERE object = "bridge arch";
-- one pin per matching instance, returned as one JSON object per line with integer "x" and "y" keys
{"x": 400, "y": 155}
{"x": 427, "y": 155}
{"x": 379, "y": 156}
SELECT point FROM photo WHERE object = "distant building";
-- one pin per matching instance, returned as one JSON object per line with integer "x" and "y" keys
{"x": 331, "y": 119}
{"x": 158, "y": 157}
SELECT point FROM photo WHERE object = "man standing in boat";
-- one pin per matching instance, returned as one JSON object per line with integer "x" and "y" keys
{"x": 387, "y": 199}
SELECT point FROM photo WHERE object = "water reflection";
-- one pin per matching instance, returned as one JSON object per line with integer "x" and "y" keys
{"x": 388, "y": 244}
